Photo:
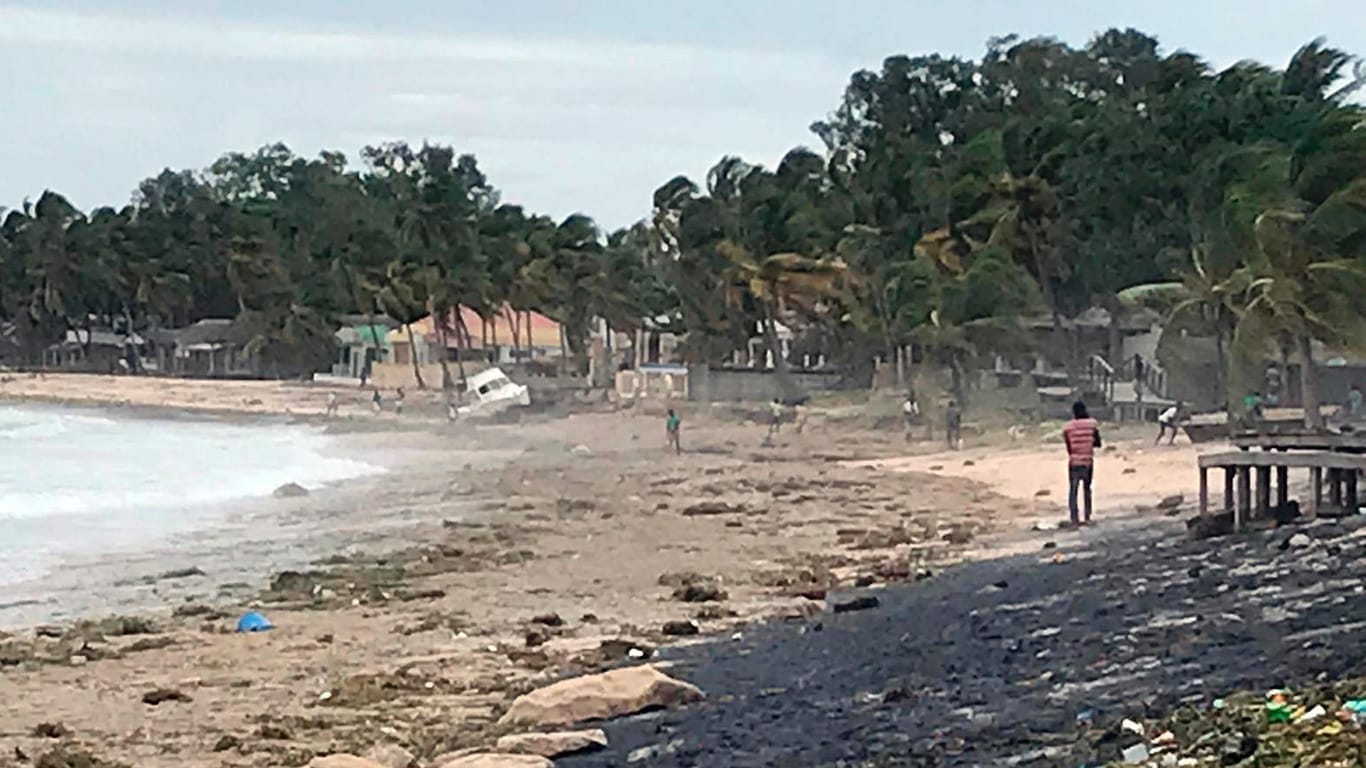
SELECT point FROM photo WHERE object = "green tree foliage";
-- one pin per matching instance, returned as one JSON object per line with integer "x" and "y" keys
{"x": 951, "y": 197}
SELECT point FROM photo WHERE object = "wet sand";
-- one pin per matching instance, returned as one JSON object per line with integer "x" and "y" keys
{"x": 414, "y": 625}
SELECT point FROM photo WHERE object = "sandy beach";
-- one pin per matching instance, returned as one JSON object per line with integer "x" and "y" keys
{"x": 412, "y": 607}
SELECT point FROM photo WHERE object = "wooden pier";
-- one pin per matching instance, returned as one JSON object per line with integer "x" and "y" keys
{"x": 1249, "y": 476}
{"x": 1302, "y": 441}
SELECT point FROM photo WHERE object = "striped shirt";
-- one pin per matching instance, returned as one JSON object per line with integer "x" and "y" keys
{"x": 1080, "y": 436}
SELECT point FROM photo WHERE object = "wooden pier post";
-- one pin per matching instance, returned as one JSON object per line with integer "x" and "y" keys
{"x": 1315, "y": 490}
{"x": 1353, "y": 502}
{"x": 1244, "y": 497}
{"x": 1263, "y": 506}
{"x": 1335, "y": 489}
{"x": 1228, "y": 488}
{"x": 1282, "y": 486}
{"x": 1204, "y": 491}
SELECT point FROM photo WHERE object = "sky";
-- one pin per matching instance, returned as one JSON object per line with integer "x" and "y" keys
{"x": 584, "y": 106}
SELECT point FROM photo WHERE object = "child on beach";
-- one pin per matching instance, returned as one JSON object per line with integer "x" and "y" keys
{"x": 377, "y": 401}
{"x": 910, "y": 413}
{"x": 1170, "y": 421}
{"x": 953, "y": 425}
{"x": 672, "y": 424}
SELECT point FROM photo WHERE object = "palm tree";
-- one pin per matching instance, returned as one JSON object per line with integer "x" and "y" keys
{"x": 777, "y": 284}
{"x": 1294, "y": 290}
{"x": 405, "y": 297}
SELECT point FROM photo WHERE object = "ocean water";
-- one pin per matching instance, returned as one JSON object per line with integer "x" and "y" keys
{"x": 80, "y": 483}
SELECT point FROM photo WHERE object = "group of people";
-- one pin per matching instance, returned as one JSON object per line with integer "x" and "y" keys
{"x": 953, "y": 421}
{"x": 1081, "y": 436}
{"x": 1353, "y": 407}
{"x": 376, "y": 402}
{"x": 777, "y": 414}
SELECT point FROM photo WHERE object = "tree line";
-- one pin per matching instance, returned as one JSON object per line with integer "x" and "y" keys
{"x": 948, "y": 198}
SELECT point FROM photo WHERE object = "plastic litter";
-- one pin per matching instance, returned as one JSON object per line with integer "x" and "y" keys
{"x": 1278, "y": 707}
{"x": 252, "y": 621}
{"x": 1311, "y": 715}
{"x": 1138, "y": 753}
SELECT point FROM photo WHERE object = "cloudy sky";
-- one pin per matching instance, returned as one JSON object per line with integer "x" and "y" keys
{"x": 570, "y": 106}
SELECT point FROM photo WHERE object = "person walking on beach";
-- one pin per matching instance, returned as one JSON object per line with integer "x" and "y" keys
{"x": 377, "y": 401}
{"x": 910, "y": 414}
{"x": 775, "y": 419}
{"x": 331, "y": 405}
{"x": 672, "y": 425}
{"x": 398, "y": 401}
{"x": 1082, "y": 437}
{"x": 953, "y": 425}
{"x": 1170, "y": 420}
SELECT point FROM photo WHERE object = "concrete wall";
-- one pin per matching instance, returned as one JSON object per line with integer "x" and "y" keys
{"x": 708, "y": 385}
{"x": 657, "y": 384}
{"x": 392, "y": 375}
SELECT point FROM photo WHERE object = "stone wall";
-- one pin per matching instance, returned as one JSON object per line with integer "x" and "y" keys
{"x": 734, "y": 385}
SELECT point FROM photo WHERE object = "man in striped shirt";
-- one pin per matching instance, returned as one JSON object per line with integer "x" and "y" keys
{"x": 1082, "y": 436}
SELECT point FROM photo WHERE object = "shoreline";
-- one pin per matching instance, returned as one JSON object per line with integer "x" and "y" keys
{"x": 77, "y": 583}
{"x": 170, "y": 397}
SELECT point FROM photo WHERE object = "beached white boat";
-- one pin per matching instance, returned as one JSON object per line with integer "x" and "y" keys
{"x": 492, "y": 391}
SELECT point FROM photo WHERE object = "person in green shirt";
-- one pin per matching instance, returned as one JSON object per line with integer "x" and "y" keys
{"x": 1252, "y": 409}
{"x": 671, "y": 428}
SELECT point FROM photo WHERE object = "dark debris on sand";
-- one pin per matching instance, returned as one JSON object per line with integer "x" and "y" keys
{"x": 959, "y": 671}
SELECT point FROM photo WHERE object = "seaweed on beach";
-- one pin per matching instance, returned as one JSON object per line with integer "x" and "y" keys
{"x": 62, "y": 757}
{"x": 368, "y": 689}
{"x": 350, "y": 579}
{"x": 112, "y": 626}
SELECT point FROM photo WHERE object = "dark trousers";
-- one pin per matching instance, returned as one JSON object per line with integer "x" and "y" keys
{"x": 1079, "y": 476}
{"x": 1163, "y": 429}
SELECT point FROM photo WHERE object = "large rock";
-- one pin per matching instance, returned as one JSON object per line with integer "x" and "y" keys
{"x": 600, "y": 697}
{"x": 1171, "y": 502}
{"x": 553, "y": 744}
{"x": 1210, "y": 526}
{"x": 495, "y": 760}
{"x": 391, "y": 756}
{"x": 290, "y": 491}
{"x": 343, "y": 761}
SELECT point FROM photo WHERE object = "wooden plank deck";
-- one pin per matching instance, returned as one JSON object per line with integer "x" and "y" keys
{"x": 1302, "y": 441}
{"x": 1289, "y": 459}
{"x": 1340, "y": 470}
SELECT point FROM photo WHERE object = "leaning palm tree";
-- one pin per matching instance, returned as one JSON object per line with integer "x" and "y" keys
{"x": 405, "y": 298}
{"x": 1201, "y": 300}
{"x": 777, "y": 284}
{"x": 1295, "y": 291}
